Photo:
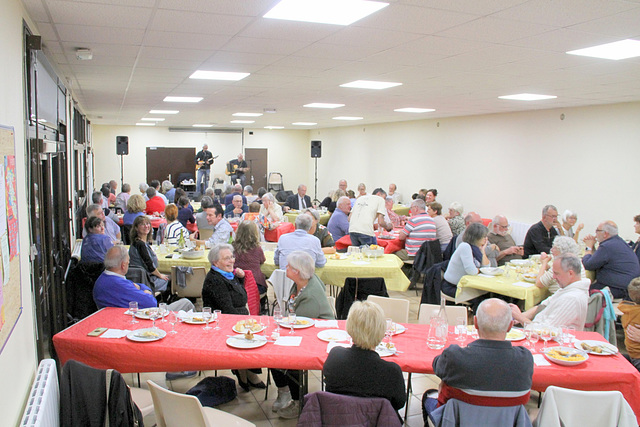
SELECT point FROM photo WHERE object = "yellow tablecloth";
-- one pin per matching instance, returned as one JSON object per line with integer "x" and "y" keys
{"x": 165, "y": 264}
{"x": 401, "y": 210}
{"x": 292, "y": 215}
{"x": 470, "y": 287}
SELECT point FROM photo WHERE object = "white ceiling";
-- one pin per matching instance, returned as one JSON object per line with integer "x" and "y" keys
{"x": 456, "y": 56}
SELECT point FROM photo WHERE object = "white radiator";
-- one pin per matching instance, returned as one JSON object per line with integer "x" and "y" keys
{"x": 43, "y": 406}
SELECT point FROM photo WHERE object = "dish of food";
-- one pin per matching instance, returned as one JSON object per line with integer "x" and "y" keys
{"x": 599, "y": 348}
{"x": 520, "y": 262}
{"x": 515, "y": 335}
{"x": 529, "y": 277}
{"x": 492, "y": 271}
{"x": 192, "y": 254}
{"x": 301, "y": 323}
{"x": 241, "y": 327}
{"x": 338, "y": 256}
{"x": 241, "y": 341}
{"x": 566, "y": 356}
{"x": 386, "y": 349}
{"x": 195, "y": 319}
{"x": 146, "y": 335}
{"x": 330, "y": 335}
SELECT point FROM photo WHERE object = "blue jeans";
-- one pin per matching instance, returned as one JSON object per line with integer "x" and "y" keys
{"x": 204, "y": 185}
{"x": 358, "y": 239}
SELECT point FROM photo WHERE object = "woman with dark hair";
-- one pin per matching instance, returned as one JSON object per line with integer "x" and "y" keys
{"x": 430, "y": 195}
{"x": 185, "y": 211}
{"x": 467, "y": 259}
{"x": 141, "y": 255}
{"x": 249, "y": 254}
{"x": 95, "y": 244}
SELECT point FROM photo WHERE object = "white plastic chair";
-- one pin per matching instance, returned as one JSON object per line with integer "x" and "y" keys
{"x": 281, "y": 286}
{"x": 178, "y": 410}
{"x": 193, "y": 281}
{"x": 576, "y": 408}
{"x": 395, "y": 308}
{"x": 143, "y": 400}
{"x": 332, "y": 303}
{"x": 427, "y": 311}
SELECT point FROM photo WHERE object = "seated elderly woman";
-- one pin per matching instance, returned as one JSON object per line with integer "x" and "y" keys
{"x": 321, "y": 232}
{"x": 443, "y": 232}
{"x": 270, "y": 209}
{"x": 362, "y": 190}
{"x": 223, "y": 290}
{"x": 569, "y": 219}
{"x": 174, "y": 228}
{"x": 561, "y": 245}
{"x": 95, "y": 244}
{"x": 456, "y": 220}
{"x": 467, "y": 259}
{"x": 391, "y": 217}
{"x": 359, "y": 370}
{"x": 309, "y": 299}
{"x": 168, "y": 191}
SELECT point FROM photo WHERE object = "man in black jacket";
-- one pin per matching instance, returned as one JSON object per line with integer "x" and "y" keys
{"x": 298, "y": 201}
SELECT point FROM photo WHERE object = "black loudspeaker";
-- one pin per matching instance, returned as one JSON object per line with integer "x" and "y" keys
{"x": 316, "y": 149}
{"x": 34, "y": 42}
{"x": 122, "y": 145}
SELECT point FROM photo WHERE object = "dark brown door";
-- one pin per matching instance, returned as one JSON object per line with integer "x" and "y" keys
{"x": 169, "y": 162}
{"x": 257, "y": 161}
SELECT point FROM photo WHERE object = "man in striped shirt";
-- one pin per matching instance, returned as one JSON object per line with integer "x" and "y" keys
{"x": 417, "y": 230}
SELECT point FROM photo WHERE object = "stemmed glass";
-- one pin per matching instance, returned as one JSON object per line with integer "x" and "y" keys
{"x": 206, "y": 314}
{"x": 163, "y": 311}
{"x": 173, "y": 319}
{"x": 461, "y": 330}
{"x": 364, "y": 249}
{"x": 277, "y": 318}
{"x": 391, "y": 329}
{"x": 534, "y": 337}
{"x": 292, "y": 319}
{"x": 216, "y": 318}
{"x": 154, "y": 313}
{"x": 546, "y": 334}
{"x": 133, "y": 309}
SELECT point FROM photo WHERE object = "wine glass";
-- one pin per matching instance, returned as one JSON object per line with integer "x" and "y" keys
{"x": 527, "y": 334}
{"x": 216, "y": 318}
{"x": 133, "y": 309}
{"x": 292, "y": 319}
{"x": 568, "y": 334}
{"x": 364, "y": 249}
{"x": 461, "y": 330}
{"x": 277, "y": 318}
{"x": 206, "y": 314}
{"x": 534, "y": 337}
{"x": 154, "y": 313}
{"x": 546, "y": 334}
{"x": 391, "y": 329}
{"x": 173, "y": 319}
{"x": 163, "y": 311}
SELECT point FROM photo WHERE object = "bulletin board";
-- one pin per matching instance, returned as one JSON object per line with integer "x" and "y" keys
{"x": 10, "y": 287}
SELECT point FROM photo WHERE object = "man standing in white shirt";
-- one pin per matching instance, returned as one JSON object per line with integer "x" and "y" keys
{"x": 365, "y": 211}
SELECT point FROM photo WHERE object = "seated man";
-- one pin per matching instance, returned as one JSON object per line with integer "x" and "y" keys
{"x": 237, "y": 190}
{"x": 393, "y": 193}
{"x": 338, "y": 224}
{"x": 568, "y": 306}
{"x": 236, "y": 209}
{"x": 614, "y": 262}
{"x": 222, "y": 230}
{"x": 155, "y": 203}
{"x": 298, "y": 201}
{"x": 540, "y": 236}
{"x": 468, "y": 373}
{"x": 299, "y": 240}
{"x": 111, "y": 229}
{"x": 499, "y": 236}
{"x": 113, "y": 289}
{"x": 321, "y": 232}
{"x": 417, "y": 230}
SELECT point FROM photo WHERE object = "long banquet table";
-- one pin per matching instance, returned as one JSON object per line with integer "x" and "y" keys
{"x": 195, "y": 349}
{"x": 470, "y": 287}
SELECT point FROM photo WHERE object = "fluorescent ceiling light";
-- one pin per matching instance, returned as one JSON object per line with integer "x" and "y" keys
{"x": 370, "y": 84}
{"x": 182, "y": 99}
{"x": 247, "y": 114}
{"x": 414, "y": 110}
{"x": 323, "y": 105}
{"x": 347, "y": 118}
{"x": 164, "y": 112}
{"x": 622, "y": 49}
{"x": 145, "y": 124}
{"x": 338, "y": 12}
{"x": 153, "y": 119}
{"x": 218, "y": 75}
{"x": 274, "y": 127}
{"x": 242, "y": 121}
{"x": 527, "y": 97}
{"x": 304, "y": 124}
{"x": 202, "y": 126}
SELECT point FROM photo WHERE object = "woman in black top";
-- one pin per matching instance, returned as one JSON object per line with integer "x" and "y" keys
{"x": 141, "y": 255}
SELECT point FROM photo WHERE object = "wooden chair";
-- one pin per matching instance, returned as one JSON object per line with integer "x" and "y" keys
{"x": 395, "y": 308}
{"x": 427, "y": 311}
{"x": 177, "y": 410}
{"x": 194, "y": 283}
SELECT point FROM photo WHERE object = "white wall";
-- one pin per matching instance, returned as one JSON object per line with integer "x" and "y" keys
{"x": 18, "y": 359}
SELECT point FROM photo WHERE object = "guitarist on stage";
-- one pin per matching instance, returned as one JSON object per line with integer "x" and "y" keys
{"x": 204, "y": 160}
{"x": 238, "y": 169}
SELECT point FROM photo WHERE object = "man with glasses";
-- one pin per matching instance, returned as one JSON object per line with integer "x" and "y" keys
{"x": 614, "y": 262}
{"x": 540, "y": 235}
{"x": 499, "y": 236}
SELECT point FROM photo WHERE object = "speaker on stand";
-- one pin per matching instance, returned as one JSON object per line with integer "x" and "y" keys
{"x": 316, "y": 152}
{"x": 122, "y": 149}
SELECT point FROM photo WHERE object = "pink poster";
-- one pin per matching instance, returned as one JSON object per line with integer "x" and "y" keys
{"x": 12, "y": 205}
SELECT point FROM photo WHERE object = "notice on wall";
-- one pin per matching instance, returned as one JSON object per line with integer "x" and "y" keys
{"x": 11, "y": 204}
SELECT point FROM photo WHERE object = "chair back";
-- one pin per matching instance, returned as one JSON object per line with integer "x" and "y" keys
{"x": 427, "y": 311}
{"x": 281, "y": 286}
{"x": 428, "y": 254}
{"x": 140, "y": 275}
{"x": 566, "y": 407}
{"x": 600, "y": 312}
{"x": 175, "y": 409}
{"x": 193, "y": 283}
{"x": 79, "y": 282}
{"x": 205, "y": 233}
{"x": 328, "y": 409}
{"x": 459, "y": 413}
{"x": 332, "y": 304}
{"x": 358, "y": 289}
{"x": 432, "y": 283}
{"x": 395, "y": 308}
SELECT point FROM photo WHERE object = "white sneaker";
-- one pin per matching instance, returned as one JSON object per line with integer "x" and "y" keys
{"x": 291, "y": 411}
{"x": 283, "y": 400}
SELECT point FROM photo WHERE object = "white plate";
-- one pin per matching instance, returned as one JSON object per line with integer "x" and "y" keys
{"x": 257, "y": 331}
{"x": 308, "y": 323}
{"x": 399, "y": 329}
{"x": 196, "y": 319}
{"x": 515, "y": 334}
{"x": 241, "y": 342}
{"x": 528, "y": 278}
{"x": 491, "y": 271}
{"x": 520, "y": 262}
{"x": 608, "y": 348}
{"x": 387, "y": 237}
{"x": 192, "y": 254}
{"x": 330, "y": 335}
{"x": 339, "y": 257}
{"x": 566, "y": 362}
{"x": 139, "y": 335}
{"x": 383, "y": 351}
{"x": 143, "y": 313}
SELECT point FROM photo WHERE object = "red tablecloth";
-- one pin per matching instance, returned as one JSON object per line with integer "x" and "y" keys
{"x": 282, "y": 228}
{"x": 195, "y": 349}
{"x": 155, "y": 222}
{"x": 390, "y": 245}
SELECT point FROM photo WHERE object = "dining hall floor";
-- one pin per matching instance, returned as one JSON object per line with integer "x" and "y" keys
{"x": 253, "y": 407}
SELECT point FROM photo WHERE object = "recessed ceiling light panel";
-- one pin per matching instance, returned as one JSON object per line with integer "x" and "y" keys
{"x": 274, "y": 127}
{"x": 304, "y": 124}
{"x": 164, "y": 112}
{"x": 218, "y": 75}
{"x": 622, "y": 49}
{"x": 527, "y": 97}
{"x": 338, "y": 12}
{"x": 347, "y": 118}
{"x": 242, "y": 121}
{"x": 323, "y": 105}
{"x": 153, "y": 119}
{"x": 370, "y": 84}
{"x": 414, "y": 110}
{"x": 247, "y": 114}
{"x": 192, "y": 99}
{"x": 145, "y": 124}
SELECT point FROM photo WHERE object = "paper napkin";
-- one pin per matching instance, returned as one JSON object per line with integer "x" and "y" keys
{"x": 524, "y": 284}
{"x": 539, "y": 360}
{"x": 289, "y": 341}
{"x": 115, "y": 333}
{"x": 326, "y": 323}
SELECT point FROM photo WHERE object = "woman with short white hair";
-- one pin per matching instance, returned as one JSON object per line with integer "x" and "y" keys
{"x": 569, "y": 219}
{"x": 359, "y": 370}
{"x": 561, "y": 245}
{"x": 455, "y": 219}
{"x": 270, "y": 209}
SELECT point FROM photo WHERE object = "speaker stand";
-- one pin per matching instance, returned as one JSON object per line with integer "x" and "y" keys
{"x": 315, "y": 191}
{"x": 121, "y": 173}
